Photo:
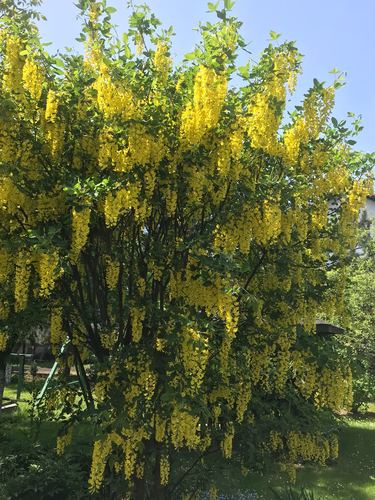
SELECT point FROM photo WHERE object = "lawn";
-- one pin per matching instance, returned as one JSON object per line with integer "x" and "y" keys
{"x": 352, "y": 477}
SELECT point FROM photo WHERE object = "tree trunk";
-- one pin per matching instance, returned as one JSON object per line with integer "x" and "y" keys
{"x": 2, "y": 380}
{"x": 140, "y": 489}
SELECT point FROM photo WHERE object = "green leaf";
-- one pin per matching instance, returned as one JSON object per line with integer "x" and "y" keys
{"x": 274, "y": 35}
{"x": 81, "y": 38}
{"x": 212, "y": 6}
{"x": 244, "y": 71}
{"x": 228, "y": 4}
{"x": 190, "y": 56}
{"x": 334, "y": 121}
{"x": 221, "y": 14}
{"x": 111, "y": 10}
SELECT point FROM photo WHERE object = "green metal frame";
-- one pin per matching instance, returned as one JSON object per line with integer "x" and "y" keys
{"x": 81, "y": 374}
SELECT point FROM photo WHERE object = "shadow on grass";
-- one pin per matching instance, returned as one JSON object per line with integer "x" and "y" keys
{"x": 353, "y": 476}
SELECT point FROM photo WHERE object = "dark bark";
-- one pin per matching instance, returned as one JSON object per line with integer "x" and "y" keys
{"x": 139, "y": 489}
{"x": 2, "y": 380}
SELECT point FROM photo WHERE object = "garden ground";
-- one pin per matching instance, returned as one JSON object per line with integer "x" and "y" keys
{"x": 352, "y": 477}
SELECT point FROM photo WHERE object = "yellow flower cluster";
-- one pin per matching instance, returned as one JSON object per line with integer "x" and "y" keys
{"x": 197, "y": 181}
{"x": 184, "y": 429}
{"x": 32, "y": 78}
{"x": 227, "y": 442}
{"x": 141, "y": 286}
{"x": 236, "y": 141}
{"x": 128, "y": 443}
{"x": 267, "y": 223}
{"x": 63, "y": 441}
{"x": 3, "y": 341}
{"x": 54, "y": 136}
{"x": 93, "y": 54}
{"x": 243, "y": 391}
{"x": 109, "y": 153}
{"x": 21, "y": 290}
{"x": 259, "y": 362}
{"x": 213, "y": 492}
{"x": 8, "y": 143}
{"x": 334, "y": 389}
{"x": 235, "y": 233}
{"x": 194, "y": 351}
{"x": 112, "y": 99}
{"x": 263, "y": 123}
{"x": 143, "y": 148}
{"x": 5, "y": 265}
{"x": 290, "y": 470}
{"x": 164, "y": 470}
{"x": 276, "y": 441}
{"x": 131, "y": 446}
{"x": 213, "y": 297}
{"x": 12, "y": 76}
{"x": 170, "y": 196}
{"x": 137, "y": 316}
{"x": 203, "y": 113}
{"x": 47, "y": 268}
{"x": 112, "y": 269}
{"x": 57, "y": 333}
{"x": 162, "y": 61}
{"x": 80, "y": 231}
{"x": 264, "y": 116}
{"x": 108, "y": 339}
{"x": 262, "y": 224}
{"x": 333, "y": 447}
{"x": 294, "y": 137}
{"x": 122, "y": 201}
{"x": 310, "y": 447}
{"x": 4, "y": 310}
{"x": 223, "y": 159}
{"x": 100, "y": 453}
{"x": 316, "y": 107}
{"x": 106, "y": 380}
{"x": 52, "y": 106}
{"x": 142, "y": 382}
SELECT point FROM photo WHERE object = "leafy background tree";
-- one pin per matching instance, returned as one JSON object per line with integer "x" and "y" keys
{"x": 179, "y": 232}
{"x": 358, "y": 343}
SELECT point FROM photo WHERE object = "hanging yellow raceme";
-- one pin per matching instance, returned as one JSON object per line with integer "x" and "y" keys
{"x": 202, "y": 114}
{"x": 52, "y": 106}
{"x": 80, "y": 231}
{"x": 48, "y": 272}
{"x": 13, "y": 64}
{"x": 23, "y": 270}
{"x": 32, "y": 78}
{"x": 4, "y": 337}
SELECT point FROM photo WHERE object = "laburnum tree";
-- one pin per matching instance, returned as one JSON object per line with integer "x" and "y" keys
{"x": 177, "y": 226}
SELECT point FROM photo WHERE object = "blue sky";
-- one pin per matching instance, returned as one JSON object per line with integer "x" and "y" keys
{"x": 330, "y": 33}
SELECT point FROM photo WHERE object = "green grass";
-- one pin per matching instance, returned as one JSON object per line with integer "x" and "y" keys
{"x": 351, "y": 478}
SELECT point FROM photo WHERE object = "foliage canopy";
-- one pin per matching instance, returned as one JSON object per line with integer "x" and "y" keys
{"x": 178, "y": 230}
